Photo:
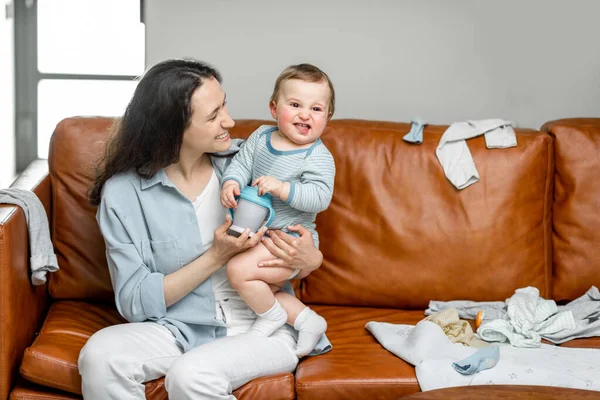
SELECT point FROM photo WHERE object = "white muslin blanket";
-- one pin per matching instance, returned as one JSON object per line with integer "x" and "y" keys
{"x": 427, "y": 348}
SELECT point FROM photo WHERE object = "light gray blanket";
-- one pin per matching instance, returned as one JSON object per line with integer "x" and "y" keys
{"x": 586, "y": 312}
{"x": 43, "y": 259}
{"x": 427, "y": 348}
{"x": 468, "y": 309}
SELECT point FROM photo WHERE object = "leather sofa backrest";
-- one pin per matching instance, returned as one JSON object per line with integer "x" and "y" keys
{"x": 576, "y": 220}
{"x": 397, "y": 233}
{"x": 75, "y": 147}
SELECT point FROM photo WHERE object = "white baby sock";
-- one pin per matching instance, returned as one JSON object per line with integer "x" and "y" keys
{"x": 269, "y": 321}
{"x": 310, "y": 327}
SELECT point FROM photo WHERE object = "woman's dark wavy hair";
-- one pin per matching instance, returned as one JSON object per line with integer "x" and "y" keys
{"x": 149, "y": 135}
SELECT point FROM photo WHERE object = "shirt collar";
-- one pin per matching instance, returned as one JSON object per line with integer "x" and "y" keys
{"x": 159, "y": 177}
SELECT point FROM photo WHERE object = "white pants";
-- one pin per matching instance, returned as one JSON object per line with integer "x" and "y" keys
{"x": 116, "y": 361}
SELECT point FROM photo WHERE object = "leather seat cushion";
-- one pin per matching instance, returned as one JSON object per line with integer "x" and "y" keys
{"x": 52, "y": 358}
{"x": 51, "y": 361}
{"x": 357, "y": 366}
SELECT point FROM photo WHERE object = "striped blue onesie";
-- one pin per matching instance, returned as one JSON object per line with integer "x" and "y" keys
{"x": 310, "y": 172}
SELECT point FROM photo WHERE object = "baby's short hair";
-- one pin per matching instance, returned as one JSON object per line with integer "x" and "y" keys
{"x": 306, "y": 73}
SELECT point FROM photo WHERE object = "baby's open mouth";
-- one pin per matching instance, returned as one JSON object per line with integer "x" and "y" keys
{"x": 303, "y": 128}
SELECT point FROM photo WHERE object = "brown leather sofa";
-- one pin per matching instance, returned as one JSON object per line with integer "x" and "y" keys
{"x": 397, "y": 234}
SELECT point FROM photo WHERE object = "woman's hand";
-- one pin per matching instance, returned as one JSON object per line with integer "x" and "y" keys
{"x": 226, "y": 246}
{"x": 181, "y": 282}
{"x": 293, "y": 252}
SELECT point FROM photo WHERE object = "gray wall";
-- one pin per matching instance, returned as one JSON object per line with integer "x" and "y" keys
{"x": 525, "y": 60}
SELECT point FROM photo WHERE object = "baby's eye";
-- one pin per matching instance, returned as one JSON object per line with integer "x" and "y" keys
{"x": 296, "y": 105}
{"x": 317, "y": 109}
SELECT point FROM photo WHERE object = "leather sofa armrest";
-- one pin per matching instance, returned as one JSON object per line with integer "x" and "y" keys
{"x": 22, "y": 305}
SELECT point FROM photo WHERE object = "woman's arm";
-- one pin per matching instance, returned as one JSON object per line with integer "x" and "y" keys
{"x": 141, "y": 294}
{"x": 293, "y": 252}
{"x": 178, "y": 284}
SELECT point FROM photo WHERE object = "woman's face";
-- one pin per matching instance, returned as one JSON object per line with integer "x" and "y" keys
{"x": 208, "y": 131}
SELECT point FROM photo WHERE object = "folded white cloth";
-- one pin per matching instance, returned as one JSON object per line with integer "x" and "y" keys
{"x": 427, "y": 348}
{"x": 415, "y": 344}
{"x": 453, "y": 152}
{"x": 546, "y": 365}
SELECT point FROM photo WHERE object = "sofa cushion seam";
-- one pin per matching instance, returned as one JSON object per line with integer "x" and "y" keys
{"x": 52, "y": 359}
{"x": 251, "y": 386}
{"x": 2, "y": 308}
{"x": 317, "y": 384}
{"x": 58, "y": 385}
{"x": 37, "y": 397}
{"x": 549, "y": 219}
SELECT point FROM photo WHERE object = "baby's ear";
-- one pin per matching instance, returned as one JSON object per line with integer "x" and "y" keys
{"x": 273, "y": 109}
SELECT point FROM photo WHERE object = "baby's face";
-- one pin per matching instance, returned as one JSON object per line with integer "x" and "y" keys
{"x": 302, "y": 110}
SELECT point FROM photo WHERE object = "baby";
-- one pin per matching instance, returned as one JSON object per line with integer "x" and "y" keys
{"x": 290, "y": 162}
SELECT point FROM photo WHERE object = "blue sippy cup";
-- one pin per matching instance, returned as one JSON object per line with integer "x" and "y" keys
{"x": 251, "y": 211}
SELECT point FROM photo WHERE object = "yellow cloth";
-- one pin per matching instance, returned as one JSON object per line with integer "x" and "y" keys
{"x": 457, "y": 330}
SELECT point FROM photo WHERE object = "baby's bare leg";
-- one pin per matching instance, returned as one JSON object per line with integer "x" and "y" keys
{"x": 253, "y": 285}
{"x": 251, "y": 281}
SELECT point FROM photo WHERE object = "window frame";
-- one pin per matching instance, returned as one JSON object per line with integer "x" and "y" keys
{"x": 27, "y": 78}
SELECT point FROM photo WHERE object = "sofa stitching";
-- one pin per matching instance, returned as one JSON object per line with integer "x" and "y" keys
{"x": 53, "y": 193}
{"x": 329, "y": 383}
{"x": 37, "y": 379}
{"x": 2, "y": 310}
{"x": 551, "y": 170}
{"x": 43, "y": 328}
{"x": 37, "y": 397}
{"x": 53, "y": 359}
{"x": 253, "y": 385}
{"x": 40, "y": 355}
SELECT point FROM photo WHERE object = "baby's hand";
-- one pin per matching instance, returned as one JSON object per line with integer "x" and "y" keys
{"x": 268, "y": 184}
{"x": 229, "y": 190}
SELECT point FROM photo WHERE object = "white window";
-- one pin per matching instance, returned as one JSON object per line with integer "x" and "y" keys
{"x": 89, "y": 53}
{"x": 58, "y": 98}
